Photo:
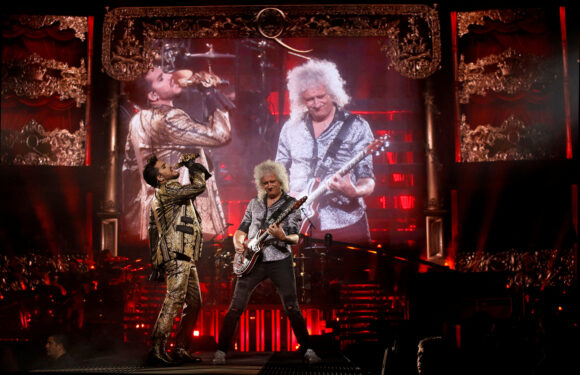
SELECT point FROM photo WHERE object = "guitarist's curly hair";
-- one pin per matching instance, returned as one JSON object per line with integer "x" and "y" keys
{"x": 267, "y": 167}
{"x": 311, "y": 74}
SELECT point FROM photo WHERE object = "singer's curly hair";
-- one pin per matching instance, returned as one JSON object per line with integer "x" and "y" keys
{"x": 310, "y": 74}
{"x": 267, "y": 167}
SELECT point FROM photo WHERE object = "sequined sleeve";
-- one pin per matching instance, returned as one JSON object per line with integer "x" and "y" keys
{"x": 182, "y": 130}
{"x": 176, "y": 193}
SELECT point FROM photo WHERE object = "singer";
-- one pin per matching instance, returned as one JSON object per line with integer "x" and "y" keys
{"x": 160, "y": 128}
{"x": 175, "y": 240}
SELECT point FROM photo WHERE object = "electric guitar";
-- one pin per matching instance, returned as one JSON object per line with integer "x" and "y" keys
{"x": 316, "y": 188}
{"x": 243, "y": 263}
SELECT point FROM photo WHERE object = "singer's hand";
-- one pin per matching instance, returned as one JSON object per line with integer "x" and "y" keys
{"x": 186, "y": 160}
{"x": 206, "y": 79}
{"x": 186, "y": 77}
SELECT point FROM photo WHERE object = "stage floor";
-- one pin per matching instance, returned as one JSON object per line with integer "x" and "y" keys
{"x": 247, "y": 363}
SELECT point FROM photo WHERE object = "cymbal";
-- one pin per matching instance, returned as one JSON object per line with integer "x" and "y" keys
{"x": 258, "y": 45}
{"x": 314, "y": 247}
{"x": 210, "y": 55}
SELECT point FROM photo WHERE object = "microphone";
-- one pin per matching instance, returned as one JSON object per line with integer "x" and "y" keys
{"x": 328, "y": 240}
{"x": 184, "y": 159}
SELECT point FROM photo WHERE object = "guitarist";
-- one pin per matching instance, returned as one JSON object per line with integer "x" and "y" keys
{"x": 276, "y": 261}
{"x": 318, "y": 139}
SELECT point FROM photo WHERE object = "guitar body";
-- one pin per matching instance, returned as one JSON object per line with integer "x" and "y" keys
{"x": 309, "y": 210}
{"x": 243, "y": 263}
{"x": 317, "y": 188}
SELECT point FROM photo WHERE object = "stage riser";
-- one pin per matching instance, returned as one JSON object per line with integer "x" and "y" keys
{"x": 261, "y": 328}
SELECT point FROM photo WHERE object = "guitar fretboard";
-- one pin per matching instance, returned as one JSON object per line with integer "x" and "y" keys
{"x": 342, "y": 171}
{"x": 278, "y": 220}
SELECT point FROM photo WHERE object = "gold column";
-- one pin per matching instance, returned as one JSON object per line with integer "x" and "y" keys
{"x": 434, "y": 212}
{"x": 109, "y": 212}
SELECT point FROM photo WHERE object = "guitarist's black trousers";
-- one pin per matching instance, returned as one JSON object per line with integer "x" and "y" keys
{"x": 281, "y": 273}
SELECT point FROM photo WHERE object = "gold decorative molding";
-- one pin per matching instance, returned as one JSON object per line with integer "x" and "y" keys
{"x": 413, "y": 54}
{"x": 512, "y": 140}
{"x": 34, "y": 77}
{"x": 80, "y": 25}
{"x": 33, "y": 145}
{"x": 411, "y": 32}
{"x": 509, "y": 72}
{"x": 466, "y": 19}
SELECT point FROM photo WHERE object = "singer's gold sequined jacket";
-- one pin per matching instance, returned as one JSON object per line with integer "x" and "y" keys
{"x": 175, "y": 226}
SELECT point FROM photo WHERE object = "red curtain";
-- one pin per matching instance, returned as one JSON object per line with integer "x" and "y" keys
{"x": 21, "y": 41}
{"x": 529, "y": 35}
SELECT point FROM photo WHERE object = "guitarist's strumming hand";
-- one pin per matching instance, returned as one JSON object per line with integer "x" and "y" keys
{"x": 343, "y": 184}
{"x": 239, "y": 239}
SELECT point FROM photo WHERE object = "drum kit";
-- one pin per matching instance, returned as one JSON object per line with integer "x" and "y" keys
{"x": 209, "y": 55}
{"x": 173, "y": 53}
{"x": 316, "y": 262}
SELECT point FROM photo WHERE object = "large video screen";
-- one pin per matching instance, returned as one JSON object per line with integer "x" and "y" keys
{"x": 232, "y": 102}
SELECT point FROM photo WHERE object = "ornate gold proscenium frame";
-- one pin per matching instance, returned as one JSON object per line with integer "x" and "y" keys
{"x": 412, "y": 38}
{"x": 407, "y": 34}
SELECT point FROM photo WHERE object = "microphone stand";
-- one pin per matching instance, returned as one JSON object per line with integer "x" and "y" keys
{"x": 301, "y": 247}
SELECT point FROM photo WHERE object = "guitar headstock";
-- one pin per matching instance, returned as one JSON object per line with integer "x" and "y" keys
{"x": 378, "y": 145}
{"x": 299, "y": 202}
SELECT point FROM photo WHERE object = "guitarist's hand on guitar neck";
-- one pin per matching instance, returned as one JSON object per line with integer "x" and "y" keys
{"x": 277, "y": 231}
{"x": 344, "y": 184}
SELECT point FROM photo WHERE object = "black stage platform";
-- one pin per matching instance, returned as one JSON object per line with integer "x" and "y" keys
{"x": 248, "y": 363}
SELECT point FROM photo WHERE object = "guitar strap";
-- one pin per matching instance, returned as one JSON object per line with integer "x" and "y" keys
{"x": 287, "y": 199}
{"x": 322, "y": 170}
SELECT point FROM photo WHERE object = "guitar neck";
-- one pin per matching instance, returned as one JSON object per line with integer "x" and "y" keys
{"x": 342, "y": 171}
{"x": 277, "y": 221}
{"x": 348, "y": 166}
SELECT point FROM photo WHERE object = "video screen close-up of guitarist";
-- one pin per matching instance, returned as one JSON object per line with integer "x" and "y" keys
{"x": 327, "y": 152}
